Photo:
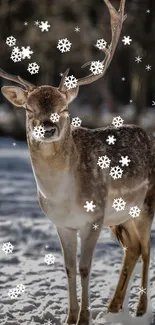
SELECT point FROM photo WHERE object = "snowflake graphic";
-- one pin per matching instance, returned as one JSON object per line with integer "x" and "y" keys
{"x": 16, "y": 54}
{"x": 7, "y": 248}
{"x": 26, "y": 52}
{"x": 148, "y": 67}
{"x": 70, "y": 82}
{"x": 119, "y": 204}
{"x": 116, "y": 172}
{"x": 89, "y": 206}
{"x": 48, "y": 322}
{"x": 44, "y": 26}
{"x": 153, "y": 102}
{"x": 49, "y": 259}
{"x": 117, "y": 121}
{"x": 54, "y": 117}
{"x": 126, "y": 40}
{"x": 33, "y": 68}
{"x": 64, "y": 45}
{"x": 13, "y": 293}
{"x": 20, "y": 288}
{"x": 134, "y": 212}
{"x": 38, "y": 132}
{"x": 142, "y": 290}
{"x": 76, "y": 121}
{"x": 11, "y": 41}
{"x": 111, "y": 139}
{"x": 96, "y": 67}
{"x": 138, "y": 59}
{"x": 25, "y": 23}
{"x": 36, "y": 23}
{"x": 101, "y": 44}
{"x": 77, "y": 29}
{"x": 124, "y": 161}
{"x": 95, "y": 226}
{"x": 103, "y": 162}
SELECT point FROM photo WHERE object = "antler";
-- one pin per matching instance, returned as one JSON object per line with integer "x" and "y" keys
{"x": 117, "y": 18}
{"x": 17, "y": 79}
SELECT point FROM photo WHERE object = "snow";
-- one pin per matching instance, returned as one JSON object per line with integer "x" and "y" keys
{"x": 24, "y": 225}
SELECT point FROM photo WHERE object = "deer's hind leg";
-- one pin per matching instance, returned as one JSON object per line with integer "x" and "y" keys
{"x": 127, "y": 235}
{"x": 143, "y": 227}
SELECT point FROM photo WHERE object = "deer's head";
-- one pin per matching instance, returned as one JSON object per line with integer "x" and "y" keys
{"x": 42, "y": 101}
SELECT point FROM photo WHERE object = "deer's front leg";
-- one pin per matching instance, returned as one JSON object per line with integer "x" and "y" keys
{"x": 68, "y": 239}
{"x": 89, "y": 238}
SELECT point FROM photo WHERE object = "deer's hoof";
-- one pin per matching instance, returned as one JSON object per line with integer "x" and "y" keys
{"x": 142, "y": 307}
{"x": 83, "y": 318}
{"x": 114, "y": 307}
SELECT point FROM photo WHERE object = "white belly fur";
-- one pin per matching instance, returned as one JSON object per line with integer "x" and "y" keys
{"x": 64, "y": 212}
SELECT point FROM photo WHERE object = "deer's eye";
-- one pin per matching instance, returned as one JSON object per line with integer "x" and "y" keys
{"x": 64, "y": 110}
{"x": 28, "y": 110}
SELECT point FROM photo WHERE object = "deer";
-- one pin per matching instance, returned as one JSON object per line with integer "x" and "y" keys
{"x": 64, "y": 164}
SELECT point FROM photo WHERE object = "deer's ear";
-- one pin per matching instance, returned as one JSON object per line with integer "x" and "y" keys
{"x": 71, "y": 94}
{"x": 16, "y": 95}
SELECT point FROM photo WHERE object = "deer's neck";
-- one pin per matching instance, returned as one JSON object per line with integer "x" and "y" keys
{"x": 52, "y": 162}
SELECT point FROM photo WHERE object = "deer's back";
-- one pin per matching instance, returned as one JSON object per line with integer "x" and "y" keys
{"x": 96, "y": 184}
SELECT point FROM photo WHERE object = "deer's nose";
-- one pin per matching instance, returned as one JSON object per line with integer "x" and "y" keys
{"x": 48, "y": 126}
{"x": 50, "y": 129}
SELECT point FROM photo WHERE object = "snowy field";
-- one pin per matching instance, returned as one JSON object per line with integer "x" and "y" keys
{"x": 33, "y": 235}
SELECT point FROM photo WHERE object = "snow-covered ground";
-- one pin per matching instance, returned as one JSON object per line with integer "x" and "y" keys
{"x": 33, "y": 235}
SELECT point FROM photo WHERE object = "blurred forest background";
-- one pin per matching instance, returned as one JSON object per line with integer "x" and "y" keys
{"x": 131, "y": 97}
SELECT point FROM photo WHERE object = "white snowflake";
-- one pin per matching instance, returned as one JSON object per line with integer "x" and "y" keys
{"x": 95, "y": 226}
{"x": 148, "y": 67}
{"x": 16, "y": 54}
{"x": 70, "y": 82}
{"x": 124, "y": 161}
{"x": 49, "y": 259}
{"x": 33, "y": 68}
{"x": 20, "y": 288}
{"x": 134, "y": 212}
{"x": 126, "y": 40}
{"x": 138, "y": 59}
{"x": 76, "y": 121}
{"x": 123, "y": 78}
{"x": 13, "y": 293}
{"x": 64, "y": 45}
{"x": 111, "y": 139}
{"x": 101, "y": 44}
{"x": 55, "y": 117}
{"x": 89, "y": 206}
{"x": 77, "y": 29}
{"x": 36, "y": 23}
{"x": 38, "y": 132}
{"x": 153, "y": 102}
{"x": 117, "y": 121}
{"x": 48, "y": 322}
{"x": 25, "y": 23}
{"x": 44, "y": 26}
{"x": 7, "y": 248}
{"x": 119, "y": 204}
{"x": 11, "y": 41}
{"x": 142, "y": 290}
{"x": 96, "y": 67}
{"x": 26, "y": 52}
{"x": 103, "y": 162}
{"x": 116, "y": 172}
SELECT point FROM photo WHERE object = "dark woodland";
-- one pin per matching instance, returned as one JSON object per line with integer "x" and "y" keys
{"x": 97, "y": 102}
